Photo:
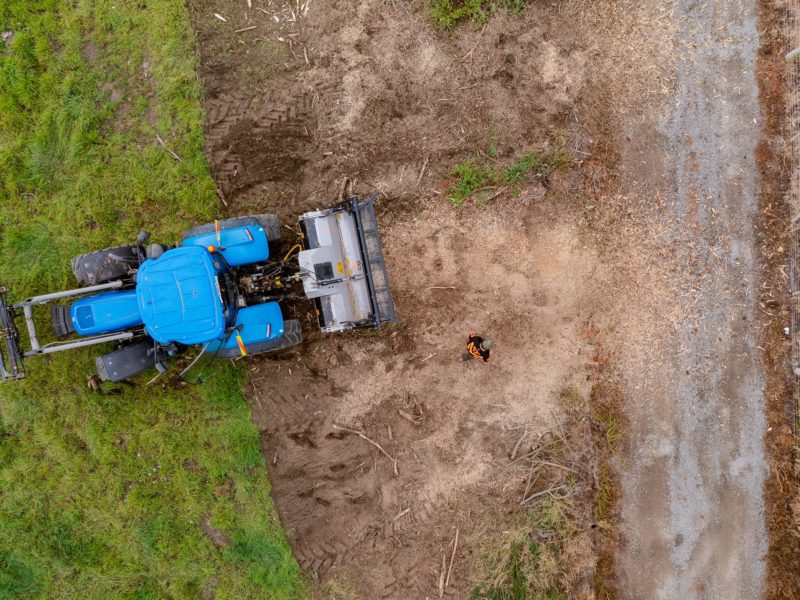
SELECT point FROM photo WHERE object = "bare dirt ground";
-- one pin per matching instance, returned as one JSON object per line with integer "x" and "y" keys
{"x": 622, "y": 259}
{"x": 345, "y": 507}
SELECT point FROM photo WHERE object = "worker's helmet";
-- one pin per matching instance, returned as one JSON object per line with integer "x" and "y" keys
{"x": 486, "y": 344}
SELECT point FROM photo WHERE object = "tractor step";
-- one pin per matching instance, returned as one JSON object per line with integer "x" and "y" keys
{"x": 292, "y": 335}
{"x": 129, "y": 360}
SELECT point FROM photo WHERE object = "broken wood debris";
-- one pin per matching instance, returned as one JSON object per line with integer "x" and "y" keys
{"x": 442, "y": 575}
{"x": 519, "y": 443}
{"x": 551, "y": 491}
{"x": 364, "y": 437}
{"x": 422, "y": 171}
{"x": 468, "y": 54}
{"x": 164, "y": 145}
{"x": 221, "y": 196}
{"x": 541, "y": 462}
{"x": 452, "y": 560}
{"x": 415, "y": 419}
{"x": 402, "y": 513}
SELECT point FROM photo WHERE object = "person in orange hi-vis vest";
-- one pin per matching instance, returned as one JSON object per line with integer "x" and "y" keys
{"x": 477, "y": 348}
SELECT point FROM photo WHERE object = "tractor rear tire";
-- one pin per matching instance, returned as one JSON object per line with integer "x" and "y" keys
{"x": 270, "y": 223}
{"x": 272, "y": 226}
{"x": 292, "y": 335}
{"x": 95, "y": 268}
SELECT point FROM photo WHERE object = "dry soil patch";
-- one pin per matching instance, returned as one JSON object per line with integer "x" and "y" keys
{"x": 299, "y": 96}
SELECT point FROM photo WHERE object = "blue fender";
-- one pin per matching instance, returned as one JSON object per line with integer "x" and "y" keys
{"x": 240, "y": 245}
{"x": 256, "y": 324}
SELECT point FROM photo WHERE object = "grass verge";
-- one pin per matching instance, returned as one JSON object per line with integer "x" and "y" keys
{"x": 526, "y": 563}
{"x": 481, "y": 179}
{"x": 556, "y": 544}
{"x": 135, "y": 491}
{"x": 446, "y": 14}
{"x": 609, "y": 427}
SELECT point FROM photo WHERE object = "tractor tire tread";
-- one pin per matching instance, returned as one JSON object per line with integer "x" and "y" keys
{"x": 292, "y": 336}
{"x": 270, "y": 223}
{"x": 80, "y": 265}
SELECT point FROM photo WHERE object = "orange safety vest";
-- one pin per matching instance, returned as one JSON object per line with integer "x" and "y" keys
{"x": 475, "y": 349}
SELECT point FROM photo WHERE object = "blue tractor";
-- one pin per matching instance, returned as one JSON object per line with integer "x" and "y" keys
{"x": 220, "y": 290}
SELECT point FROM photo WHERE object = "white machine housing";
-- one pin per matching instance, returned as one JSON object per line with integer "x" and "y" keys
{"x": 342, "y": 266}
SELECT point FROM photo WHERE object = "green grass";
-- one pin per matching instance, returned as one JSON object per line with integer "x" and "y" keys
{"x": 606, "y": 498}
{"x": 446, "y": 14}
{"x": 102, "y": 495}
{"x": 518, "y": 171}
{"x": 471, "y": 175}
{"x": 610, "y": 422}
{"x": 526, "y": 565}
{"x": 475, "y": 175}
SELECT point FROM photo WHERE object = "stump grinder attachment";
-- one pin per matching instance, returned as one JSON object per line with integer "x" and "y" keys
{"x": 342, "y": 266}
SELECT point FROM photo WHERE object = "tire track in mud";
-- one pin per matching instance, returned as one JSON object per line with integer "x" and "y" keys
{"x": 325, "y": 472}
{"x": 252, "y": 140}
{"x": 693, "y": 511}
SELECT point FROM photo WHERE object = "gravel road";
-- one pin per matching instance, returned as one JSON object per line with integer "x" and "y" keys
{"x": 693, "y": 514}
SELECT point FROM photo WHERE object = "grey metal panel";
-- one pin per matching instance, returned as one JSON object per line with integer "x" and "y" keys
{"x": 81, "y": 343}
{"x": 11, "y": 366}
{"x": 375, "y": 262}
{"x": 346, "y": 237}
{"x": 45, "y": 298}
{"x": 128, "y": 361}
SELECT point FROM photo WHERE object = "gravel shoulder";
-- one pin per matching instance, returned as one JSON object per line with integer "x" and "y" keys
{"x": 693, "y": 512}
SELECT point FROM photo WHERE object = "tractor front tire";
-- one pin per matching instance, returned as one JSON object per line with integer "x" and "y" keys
{"x": 129, "y": 360}
{"x": 99, "y": 267}
{"x": 270, "y": 223}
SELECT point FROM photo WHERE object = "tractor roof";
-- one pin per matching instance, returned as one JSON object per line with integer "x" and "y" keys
{"x": 179, "y": 297}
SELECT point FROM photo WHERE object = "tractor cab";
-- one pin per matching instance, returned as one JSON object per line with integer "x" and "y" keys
{"x": 186, "y": 296}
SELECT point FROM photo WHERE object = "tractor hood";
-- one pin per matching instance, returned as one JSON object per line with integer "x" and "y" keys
{"x": 179, "y": 297}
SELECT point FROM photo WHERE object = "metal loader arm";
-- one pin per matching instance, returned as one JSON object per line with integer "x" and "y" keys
{"x": 11, "y": 351}
{"x": 11, "y": 367}
{"x": 27, "y": 309}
